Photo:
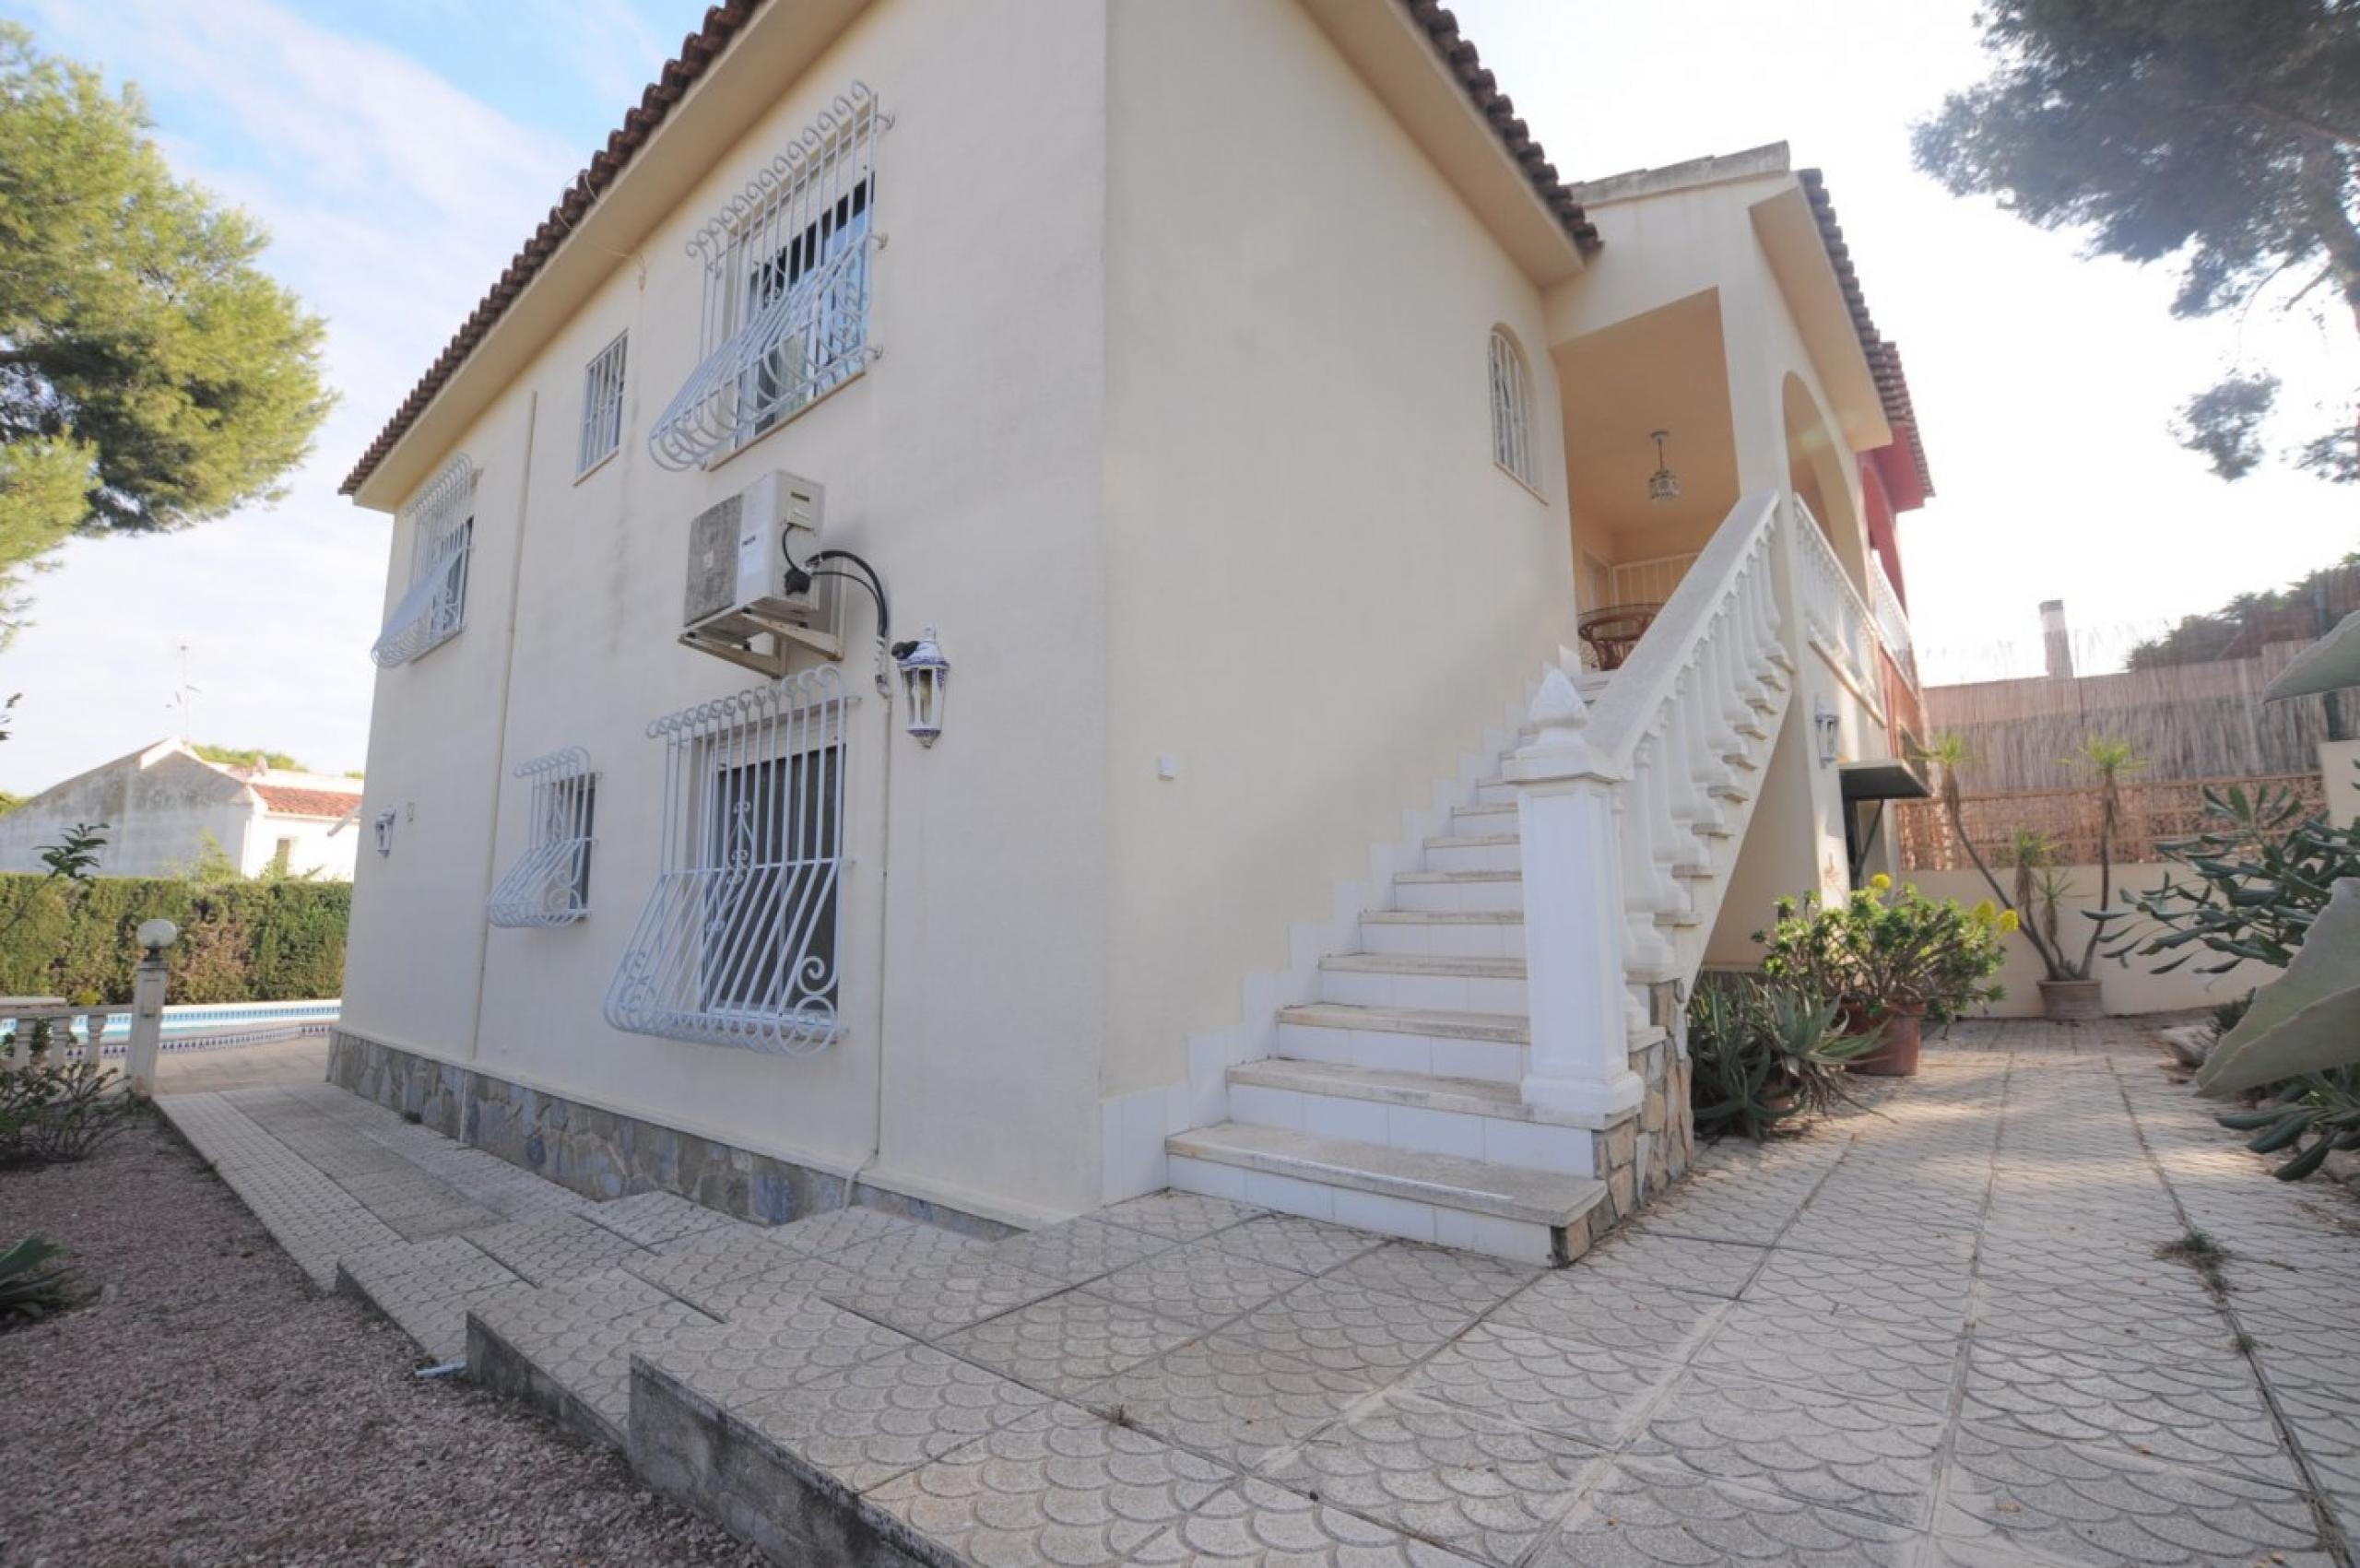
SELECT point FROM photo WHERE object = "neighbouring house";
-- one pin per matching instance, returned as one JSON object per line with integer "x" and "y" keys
{"x": 1249, "y": 414}
{"x": 166, "y": 809}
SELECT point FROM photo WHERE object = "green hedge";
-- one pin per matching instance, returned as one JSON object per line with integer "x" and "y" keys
{"x": 239, "y": 941}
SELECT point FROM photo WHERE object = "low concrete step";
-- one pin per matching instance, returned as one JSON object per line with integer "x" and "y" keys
{"x": 1423, "y": 963}
{"x": 1495, "y": 891}
{"x": 1444, "y": 933}
{"x": 1410, "y": 1021}
{"x": 1476, "y": 984}
{"x": 1444, "y": 1198}
{"x": 1451, "y": 1044}
{"x": 1464, "y": 1096}
{"x": 1475, "y": 852}
{"x": 1479, "y": 1118}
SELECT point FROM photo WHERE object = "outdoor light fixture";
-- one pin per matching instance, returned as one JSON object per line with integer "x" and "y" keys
{"x": 1663, "y": 485}
{"x": 157, "y": 935}
{"x": 1830, "y": 729}
{"x": 926, "y": 681}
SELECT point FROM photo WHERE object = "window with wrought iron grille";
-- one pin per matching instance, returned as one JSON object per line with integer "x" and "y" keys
{"x": 786, "y": 288}
{"x": 602, "y": 407}
{"x": 549, "y": 884}
{"x": 441, "y": 526}
{"x": 1512, "y": 410}
{"x": 737, "y": 943}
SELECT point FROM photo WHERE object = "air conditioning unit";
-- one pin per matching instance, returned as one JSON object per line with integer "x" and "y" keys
{"x": 737, "y": 607}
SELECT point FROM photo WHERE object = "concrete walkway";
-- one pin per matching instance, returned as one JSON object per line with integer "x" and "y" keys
{"x": 1935, "y": 1331}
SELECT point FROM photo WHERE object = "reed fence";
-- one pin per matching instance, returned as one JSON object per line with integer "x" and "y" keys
{"x": 2151, "y": 813}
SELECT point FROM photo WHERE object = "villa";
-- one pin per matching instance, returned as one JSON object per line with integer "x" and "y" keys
{"x": 1008, "y": 607}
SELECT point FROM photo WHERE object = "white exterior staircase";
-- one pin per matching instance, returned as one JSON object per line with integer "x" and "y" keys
{"x": 1409, "y": 1097}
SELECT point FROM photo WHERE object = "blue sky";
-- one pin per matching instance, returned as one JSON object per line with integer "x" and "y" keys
{"x": 400, "y": 149}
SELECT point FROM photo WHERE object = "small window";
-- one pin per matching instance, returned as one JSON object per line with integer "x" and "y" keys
{"x": 1512, "y": 410}
{"x": 443, "y": 530}
{"x": 602, "y": 408}
{"x": 549, "y": 884}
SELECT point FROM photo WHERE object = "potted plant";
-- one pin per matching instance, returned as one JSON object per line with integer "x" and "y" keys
{"x": 1893, "y": 957}
{"x": 2067, "y": 990}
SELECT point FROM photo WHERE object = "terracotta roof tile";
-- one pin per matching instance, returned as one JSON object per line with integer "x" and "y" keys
{"x": 699, "y": 50}
{"x": 1500, "y": 110}
{"x": 1884, "y": 359}
{"x": 297, "y": 800}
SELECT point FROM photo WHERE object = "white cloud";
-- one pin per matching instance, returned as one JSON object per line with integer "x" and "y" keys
{"x": 393, "y": 199}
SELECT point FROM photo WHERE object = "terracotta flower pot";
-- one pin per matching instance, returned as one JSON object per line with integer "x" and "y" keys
{"x": 2072, "y": 1001}
{"x": 1896, "y": 1052}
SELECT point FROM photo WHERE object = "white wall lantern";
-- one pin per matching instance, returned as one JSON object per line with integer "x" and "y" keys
{"x": 157, "y": 935}
{"x": 925, "y": 683}
{"x": 1829, "y": 727}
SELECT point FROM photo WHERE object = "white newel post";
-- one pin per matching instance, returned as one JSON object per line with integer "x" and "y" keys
{"x": 147, "y": 1004}
{"x": 1573, "y": 912}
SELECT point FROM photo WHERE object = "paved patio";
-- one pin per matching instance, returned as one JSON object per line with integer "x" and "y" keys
{"x": 1936, "y": 1331}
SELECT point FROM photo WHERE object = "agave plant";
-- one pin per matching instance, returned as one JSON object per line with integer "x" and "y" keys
{"x": 33, "y": 1284}
{"x": 1763, "y": 1054}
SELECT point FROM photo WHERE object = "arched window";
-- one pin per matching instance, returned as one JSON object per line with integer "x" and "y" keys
{"x": 1512, "y": 410}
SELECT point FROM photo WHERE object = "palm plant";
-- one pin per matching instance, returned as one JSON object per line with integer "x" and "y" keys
{"x": 2041, "y": 887}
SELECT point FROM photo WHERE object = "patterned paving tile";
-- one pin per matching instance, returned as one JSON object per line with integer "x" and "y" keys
{"x": 761, "y": 1353}
{"x": 1256, "y": 1524}
{"x": 555, "y": 1247}
{"x": 713, "y": 1258}
{"x": 900, "y": 1248}
{"x": 2202, "y": 1411}
{"x": 1438, "y": 1275}
{"x": 1641, "y": 1515}
{"x": 656, "y": 1219}
{"x": 1443, "y": 1473}
{"x": 1551, "y": 1384}
{"x": 934, "y": 1299}
{"x": 1070, "y": 1341}
{"x": 1309, "y": 1247}
{"x": 1199, "y": 1284}
{"x": 1230, "y": 1399}
{"x": 582, "y": 1332}
{"x": 1078, "y": 1250}
{"x": 1865, "y": 1361}
{"x": 1057, "y": 1485}
{"x": 1677, "y": 1263}
{"x": 838, "y": 1229}
{"x": 876, "y": 1420}
{"x": 1178, "y": 1216}
{"x": 1592, "y": 1307}
{"x": 2080, "y": 1504}
{"x": 1911, "y": 1300}
{"x": 427, "y": 1287}
{"x": 1341, "y": 1328}
{"x": 1813, "y": 1445}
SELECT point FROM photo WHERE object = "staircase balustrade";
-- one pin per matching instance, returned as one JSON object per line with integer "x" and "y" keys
{"x": 1630, "y": 810}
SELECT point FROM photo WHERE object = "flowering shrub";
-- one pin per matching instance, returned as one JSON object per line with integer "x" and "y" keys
{"x": 1885, "y": 949}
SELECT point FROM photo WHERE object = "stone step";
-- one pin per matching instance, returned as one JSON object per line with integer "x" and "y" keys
{"x": 1534, "y": 1216}
{"x": 1477, "y": 984}
{"x": 1452, "y": 1044}
{"x": 1444, "y": 933}
{"x": 1475, "y": 852}
{"x": 1459, "y": 891}
{"x": 1474, "y": 1118}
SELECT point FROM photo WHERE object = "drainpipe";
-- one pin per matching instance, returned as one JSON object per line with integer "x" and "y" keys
{"x": 499, "y": 746}
{"x": 884, "y": 891}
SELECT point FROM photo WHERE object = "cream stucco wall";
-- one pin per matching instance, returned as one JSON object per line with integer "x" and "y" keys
{"x": 1320, "y": 589}
{"x": 1180, "y": 439}
{"x": 2339, "y": 770}
{"x": 965, "y": 465}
